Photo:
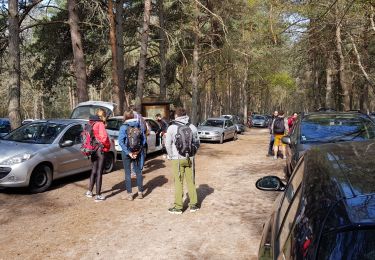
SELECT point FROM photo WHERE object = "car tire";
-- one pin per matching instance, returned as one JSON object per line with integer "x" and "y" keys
{"x": 41, "y": 179}
{"x": 221, "y": 139}
{"x": 109, "y": 163}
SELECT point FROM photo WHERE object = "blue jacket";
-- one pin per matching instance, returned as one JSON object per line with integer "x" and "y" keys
{"x": 123, "y": 135}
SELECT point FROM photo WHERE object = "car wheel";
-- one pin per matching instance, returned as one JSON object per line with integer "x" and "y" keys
{"x": 109, "y": 163}
{"x": 235, "y": 137}
{"x": 221, "y": 139}
{"x": 41, "y": 179}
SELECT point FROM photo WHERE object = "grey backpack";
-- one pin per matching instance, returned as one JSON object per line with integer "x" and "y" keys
{"x": 184, "y": 140}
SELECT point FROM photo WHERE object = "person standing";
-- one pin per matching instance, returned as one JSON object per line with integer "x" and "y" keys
{"x": 97, "y": 157}
{"x": 272, "y": 136}
{"x": 279, "y": 128}
{"x": 291, "y": 121}
{"x": 182, "y": 156}
{"x": 163, "y": 129}
{"x": 132, "y": 141}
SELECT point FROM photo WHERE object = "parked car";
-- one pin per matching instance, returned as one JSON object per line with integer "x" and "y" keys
{"x": 240, "y": 127}
{"x": 86, "y": 109}
{"x": 4, "y": 126}
{"x": 217, "y": 130}
{"x": 260, "y": 121}
{"x": 154, "y": 142}
{"x": 325, "y": 127}
{"x": 326, "y": 211}
{"x": 26, "y": 121}
{"x": 37, "y": 153}
{"x": 372, "y": 116}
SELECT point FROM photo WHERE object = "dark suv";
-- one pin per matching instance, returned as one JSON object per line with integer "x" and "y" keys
{"x": 327, "y": 210}
{"x": 326, "y": 127}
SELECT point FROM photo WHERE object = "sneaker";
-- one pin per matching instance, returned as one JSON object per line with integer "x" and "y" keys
{"x": 275, "y": 157}
{"x": 99, "y": 198}
{"x": 193, "y": 208}
{"x": 140, "y": 195}
{"x": 88, "y": 194}
{"x": 174, "y": 211}
{"x": 130, "y": 197}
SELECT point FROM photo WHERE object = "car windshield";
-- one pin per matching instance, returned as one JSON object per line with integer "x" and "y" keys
{"x": 259, "y": 117}
{"x": 214, "y": 123}
{"x": 4, "y": 128}
{"x": 84, "y": 112}
{"x": 336, "y": 128}
{"x": 114, "y": 124}
{"x": 360, "y": 244}
{"x": 38, "y": 133}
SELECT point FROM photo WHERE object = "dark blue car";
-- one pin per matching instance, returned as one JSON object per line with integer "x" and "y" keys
{"x": 326, "y": 127}
{"x": 4, "y": 126}
{"x": 327, "y": 210}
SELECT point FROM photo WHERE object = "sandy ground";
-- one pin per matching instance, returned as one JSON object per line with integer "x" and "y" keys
{"x": 63, "y": 224}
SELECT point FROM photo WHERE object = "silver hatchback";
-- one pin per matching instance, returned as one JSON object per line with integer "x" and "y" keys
{"x": 43, "y": 150}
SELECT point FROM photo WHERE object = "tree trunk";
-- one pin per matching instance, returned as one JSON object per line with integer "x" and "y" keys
{"x": 329, "y": 89}
{"x": 143, "y": 56}
{"x": 120, "y": 56}
{"x": 341, "y": 72}
{"x": 195, "y": 72}
{"x": 14, "y": 98}
{"x": 78, "y": 56}
{"x": 244, "y": 90}
{"x": 163, "y": 51}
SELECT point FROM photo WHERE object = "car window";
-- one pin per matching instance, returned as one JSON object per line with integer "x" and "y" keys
{"x": 154, "y": 126}
{"x": 290, "y": 192}
{"x": 359, "y": 244}
{"x": 213, "y": 123}
{"x": 230, "y": 123}
{"x": 114, "y": 124}
{"x": 73, "y": 134}
{"x": 288, "y": 226}
{"x": 330, "y": 128}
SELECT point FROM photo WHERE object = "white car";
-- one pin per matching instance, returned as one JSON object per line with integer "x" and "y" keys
{"x": 154, "y": 141}
{"x": 86, "y": 109}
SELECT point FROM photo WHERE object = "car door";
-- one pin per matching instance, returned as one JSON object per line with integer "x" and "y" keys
{"x": 70, "y": 159}
{"x": 231, "y": 129}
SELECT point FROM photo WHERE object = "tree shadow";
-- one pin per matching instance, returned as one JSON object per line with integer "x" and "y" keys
{"x": 203, "y": 191}
{"x": 158, "y": 181}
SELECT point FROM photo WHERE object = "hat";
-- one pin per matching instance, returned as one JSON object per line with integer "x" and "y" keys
{"x": 94, "y": 118}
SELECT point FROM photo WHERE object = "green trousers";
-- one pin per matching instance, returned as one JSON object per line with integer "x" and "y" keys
{"x": 186, "y": 172}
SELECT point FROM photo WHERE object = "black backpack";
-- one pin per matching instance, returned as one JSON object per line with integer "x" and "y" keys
{"x": 279, "y": 126}
{"x": 134, "y": 136}
{"x": 184, "y": 141}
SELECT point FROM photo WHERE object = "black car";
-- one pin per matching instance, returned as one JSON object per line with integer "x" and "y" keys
{"x": 327, "y": 210}
{"x": 325, "y": 127}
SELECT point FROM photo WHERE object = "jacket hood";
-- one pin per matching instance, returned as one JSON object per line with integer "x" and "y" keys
{"x": 182, "y": 119}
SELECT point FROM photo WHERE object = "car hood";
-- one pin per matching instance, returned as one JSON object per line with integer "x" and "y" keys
{"x": 11, "y": 148}
{"x": 209, "y": 128}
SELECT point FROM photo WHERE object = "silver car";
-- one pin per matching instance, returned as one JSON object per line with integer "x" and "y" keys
{"x": 44, "y": 150}
{"x": 217, "y": 130}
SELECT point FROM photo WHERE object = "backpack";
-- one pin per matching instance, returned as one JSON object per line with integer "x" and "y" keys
{"x": 279, "y": 126}
{"x": 184, "y": 141}
{"x": 89, "y": 144}
{"x": 134, "y": 135}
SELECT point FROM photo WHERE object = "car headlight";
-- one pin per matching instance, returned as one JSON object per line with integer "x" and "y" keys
{"x": 216, "y": 133}
{"x": 19, "y": 158}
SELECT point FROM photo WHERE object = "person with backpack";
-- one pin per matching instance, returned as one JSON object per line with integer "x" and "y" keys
{"x": 95, "y": 143}
{"x": 272, "y": 136}
{"x": 182, "y": 143}
{"x": 291, "y": 121}
{"x": 132, "y": 141}
{"x": 279, "y": 129}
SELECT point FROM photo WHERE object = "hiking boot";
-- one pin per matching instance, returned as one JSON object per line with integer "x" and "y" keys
{"x": 140, "y": 195}
{"x": 194, "y": 208}
{"x": 89, "y": 194}
{"x": 174, "y": 211}
{"x": 99, "y": 198}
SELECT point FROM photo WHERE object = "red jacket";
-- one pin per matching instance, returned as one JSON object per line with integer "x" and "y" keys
{"x": 101, "y": 135}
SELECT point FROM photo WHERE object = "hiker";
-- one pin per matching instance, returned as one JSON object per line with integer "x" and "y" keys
{"x": 100, "y": 112}
{"x": 132, "y": 141}
{"x": 182, "y": 155}
{"x": 279, "y": 129}
{"x": 272, "y": 136}
{"x": 101, "y": 140}
{"x": 163, "y": 128}
{"x": 144, "y": 129}
{"x": 292, "y": 120}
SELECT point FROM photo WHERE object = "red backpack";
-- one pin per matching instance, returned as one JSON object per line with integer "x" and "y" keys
{"x": 89, "y": 144}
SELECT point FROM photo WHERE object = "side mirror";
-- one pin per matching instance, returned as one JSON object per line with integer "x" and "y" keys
{"x": 270, "y": 183}
{"x": 286, "y": 140}
{"x": 67, "y": 143}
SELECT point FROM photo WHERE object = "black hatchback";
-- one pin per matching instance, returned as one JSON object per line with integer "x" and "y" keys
{"x": 327, "y": 210}
{"x": 326, "y": 127}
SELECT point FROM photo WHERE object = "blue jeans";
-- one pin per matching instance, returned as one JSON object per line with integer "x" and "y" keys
{"x": 270, "y": 146}
{"x": 127, "y": 161}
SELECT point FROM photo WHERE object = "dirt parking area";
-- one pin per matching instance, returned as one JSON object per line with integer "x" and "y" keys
{"x": 64, "y": 224}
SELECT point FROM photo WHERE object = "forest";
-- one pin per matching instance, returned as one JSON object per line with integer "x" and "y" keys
{"x": 211, "y": 56}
